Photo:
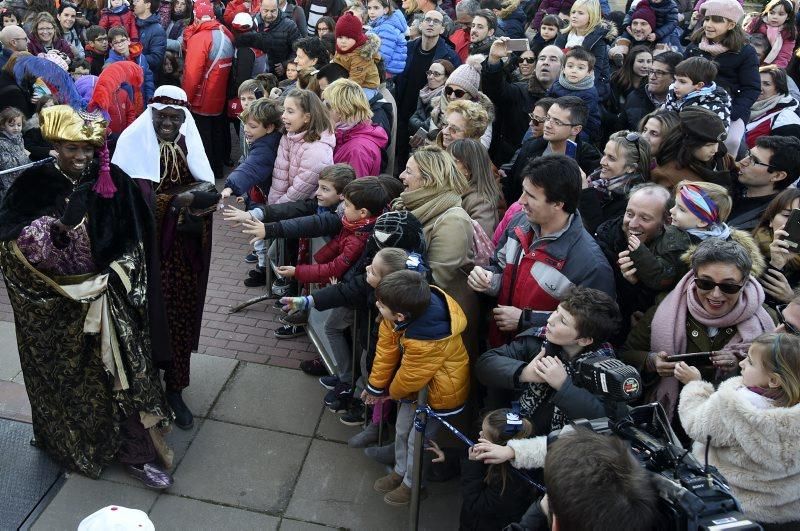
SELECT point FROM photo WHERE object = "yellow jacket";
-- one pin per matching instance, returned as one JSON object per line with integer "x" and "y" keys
{"x": 429, "y": 351}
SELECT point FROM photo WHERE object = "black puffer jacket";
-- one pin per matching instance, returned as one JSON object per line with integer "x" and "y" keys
{"x": 275, "y": 40}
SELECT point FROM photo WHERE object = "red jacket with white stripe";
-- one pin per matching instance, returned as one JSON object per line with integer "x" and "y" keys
{"x": 209, "y": 56}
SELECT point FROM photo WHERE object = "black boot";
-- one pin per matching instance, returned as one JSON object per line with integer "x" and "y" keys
{"x": 183, "y": 417}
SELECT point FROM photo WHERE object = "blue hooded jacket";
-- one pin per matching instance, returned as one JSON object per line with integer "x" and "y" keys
{"x": 392, "y": 31}
{"x": 256, "y": 169}
{"x": 153, "y": 39}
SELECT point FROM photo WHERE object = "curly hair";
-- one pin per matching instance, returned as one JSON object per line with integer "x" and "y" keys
{"x": 474, "y": 114}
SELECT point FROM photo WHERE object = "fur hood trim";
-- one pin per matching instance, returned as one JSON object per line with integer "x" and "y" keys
{"x": 508, "y": 7}
{"x": 371, "y": 47}
{"x": 611, "y": 32}
{"x": 745, "y": 240}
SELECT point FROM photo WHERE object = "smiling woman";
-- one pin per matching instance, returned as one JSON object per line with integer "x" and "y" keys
{"x": 717, "y": 295}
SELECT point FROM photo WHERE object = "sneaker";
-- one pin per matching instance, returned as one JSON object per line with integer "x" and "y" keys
{"x": 251, "y": 258}
{"x": 382, "y": 454}
{"x": 288, "y": 332}
{"x": 278, "y": 305}
{"x": 329, "y": 382}
{"x": 388, "y": 483}
{"x": 151, "y": 476}
{"x": 296, "y": 318}
{"x": 281, "y": 287}
{"x": 342, "y": 390}
{"x": 355, "y": 414}
{"x": 315, "y": 367}
{"x": 339, "y": 405}
{"x": 183, "y": 416}
{"x": 255, "y": 278}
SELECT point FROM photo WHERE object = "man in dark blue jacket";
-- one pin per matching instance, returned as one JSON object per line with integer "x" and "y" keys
{"x": 421, "y": 53}
{"x": 151, "y": 34}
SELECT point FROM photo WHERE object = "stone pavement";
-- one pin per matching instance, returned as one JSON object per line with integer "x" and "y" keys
{"x": 264, "y": 453}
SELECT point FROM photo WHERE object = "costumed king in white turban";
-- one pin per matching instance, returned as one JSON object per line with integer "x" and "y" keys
{"x": 163, "y": 152}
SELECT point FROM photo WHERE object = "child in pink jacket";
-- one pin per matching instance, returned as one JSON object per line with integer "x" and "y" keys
{"x": 777, "y": 24}
{"x": 305, "y": 149}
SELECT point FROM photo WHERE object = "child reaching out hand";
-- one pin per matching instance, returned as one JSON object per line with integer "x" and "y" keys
{"x": 753, "y": 421}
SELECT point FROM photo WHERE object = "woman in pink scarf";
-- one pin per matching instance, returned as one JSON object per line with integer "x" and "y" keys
{"x": 717, "y": 307}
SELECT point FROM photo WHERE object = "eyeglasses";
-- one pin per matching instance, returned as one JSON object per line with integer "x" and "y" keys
{"x": 43, "y": 28}
{"x": 434, "y": 73}
{"x": 535, "y": 119}
{"x": 782, "y": 319}
{"x": 755, "y": 162}
{"x": 725, "y": 287}
{"x": 658, "y": 73}
{"x": 557, "y": 122}
{"x": 122, "y": 41}
{"x": 452, "y": 128}
{"x": 449, "y": 91}
{"x": 432, "y": 21}
{"x": 527, "y": 60}
{"x": 101, "y": 39}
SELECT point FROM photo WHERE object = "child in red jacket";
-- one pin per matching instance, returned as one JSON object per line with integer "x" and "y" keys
{"x": 119, "y": 14}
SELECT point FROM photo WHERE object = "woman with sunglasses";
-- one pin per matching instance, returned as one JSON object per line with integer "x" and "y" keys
{"x": 775, "y": 111}
{"x": 463, "y": 84}
{"x": 624, "y": 164}
{"x": 524, "y": 67}
{"x": 437, "y": 74}
{"x": 784, "y": 261}
{"x": 721, "y": 39}
{"x": 715, "y": 311}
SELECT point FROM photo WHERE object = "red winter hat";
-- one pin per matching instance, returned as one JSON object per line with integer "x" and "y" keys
{"x": 203, "y": 9}
{"x": 350, "y": 25}
{"x": 644, "y": 12}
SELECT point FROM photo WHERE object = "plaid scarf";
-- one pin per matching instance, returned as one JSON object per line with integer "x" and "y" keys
{"x": 538, "y": 395}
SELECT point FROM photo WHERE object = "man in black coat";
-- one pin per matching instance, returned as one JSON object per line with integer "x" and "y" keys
{"x": 275, "y": 35}
{"x": 513, "y": 101}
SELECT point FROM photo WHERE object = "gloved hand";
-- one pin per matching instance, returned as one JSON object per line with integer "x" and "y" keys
{"x": 293, "y": 305}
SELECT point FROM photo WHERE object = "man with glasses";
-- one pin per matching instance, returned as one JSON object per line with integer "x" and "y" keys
{"x": 423, "y": 7}
{"x": 514, "y": 101}
{"x": 96, "y": 48}
{"x": 13, "y": 39}
{"x": 562, "y": 126}
{"x": 465, "y": 12}
{"x": 421, "y": 53}
{"x": 770, "y": 166}
{"x": 652, "y": 94}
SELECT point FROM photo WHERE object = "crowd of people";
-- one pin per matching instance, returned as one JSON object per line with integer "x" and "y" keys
{"x": 505, "y": 189}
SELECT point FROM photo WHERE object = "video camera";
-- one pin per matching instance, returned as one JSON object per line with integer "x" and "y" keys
{"x": 692, "y": 496}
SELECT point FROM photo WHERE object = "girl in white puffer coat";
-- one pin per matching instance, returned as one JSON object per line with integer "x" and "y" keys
{"x": 754, "y": 424}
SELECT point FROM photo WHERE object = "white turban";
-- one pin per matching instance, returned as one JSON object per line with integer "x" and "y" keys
{"x": 138, "y": 152}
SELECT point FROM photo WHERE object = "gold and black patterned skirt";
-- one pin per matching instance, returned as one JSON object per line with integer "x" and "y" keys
{"x": 76, "y": 412}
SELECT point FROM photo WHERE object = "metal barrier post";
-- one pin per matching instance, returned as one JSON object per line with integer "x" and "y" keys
{"x": 416, "y": 471}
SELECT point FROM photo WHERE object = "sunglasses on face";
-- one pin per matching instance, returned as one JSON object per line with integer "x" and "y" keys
{"x": 725, "y": 287}
{"x": 528, "y": 60}
{"x": 449, "y": 91}
{"x": 535, "y": 119}
{"x": 782, "y": 319}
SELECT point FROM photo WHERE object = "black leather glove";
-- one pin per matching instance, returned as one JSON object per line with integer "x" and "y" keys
{"x": 203, "y": 200}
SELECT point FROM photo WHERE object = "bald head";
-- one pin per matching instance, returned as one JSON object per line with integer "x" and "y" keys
{"x": 14, "y": 38}
{"x": 548, "y": 65}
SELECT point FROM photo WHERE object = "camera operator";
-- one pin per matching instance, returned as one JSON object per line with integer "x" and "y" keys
{"x": 593, "y": 482}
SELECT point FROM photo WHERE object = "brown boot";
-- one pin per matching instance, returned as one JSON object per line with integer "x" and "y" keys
{"x": 388, "y": 483}
{"x": 399, "y": 497}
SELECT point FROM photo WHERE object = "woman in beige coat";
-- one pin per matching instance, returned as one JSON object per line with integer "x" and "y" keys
{"x": 434, "y": 187}
{"x": 482, "y": 198}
